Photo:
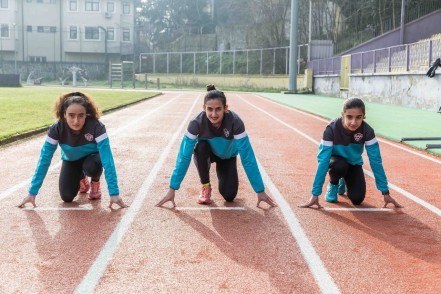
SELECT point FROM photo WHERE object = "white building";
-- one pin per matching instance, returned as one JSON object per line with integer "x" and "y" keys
{"x": 66, "y": 30}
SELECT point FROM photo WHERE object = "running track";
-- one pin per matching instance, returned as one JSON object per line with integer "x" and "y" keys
{"x": 84, "y": 247}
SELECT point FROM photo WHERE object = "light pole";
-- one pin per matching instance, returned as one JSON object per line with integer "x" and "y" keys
{"x": 15, "y": 49}
{"x": 403, "y": 12}
{"x": 106, "y": 55}
{"x": 292, "y": 87}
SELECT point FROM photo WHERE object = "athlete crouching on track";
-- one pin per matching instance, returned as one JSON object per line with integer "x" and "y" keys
{"x": 217, "y": 135}
{"x": 340, "y": 153}
{"x": 85, "y": 149}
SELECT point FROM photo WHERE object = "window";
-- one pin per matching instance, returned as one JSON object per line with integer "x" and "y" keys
{"x": 92, "y": 33}
{"x": 46, "y": 29}
{"x": 73, "y": 5}
{"x": 110, "y": 34}
{"x": 92, "y": 5}
{"x": 4, "y": 4}
{"x": 126, "y": 35}
{"x": 73, "y": 33}
{"x": 29, "y": 28}
{"x": 110, "y": 7}
{"x": 126, "y": 8}
{"x": 37, "y": 58}
{"x": 4, "y": 27}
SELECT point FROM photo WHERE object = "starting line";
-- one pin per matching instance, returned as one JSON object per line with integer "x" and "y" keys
{"x": 358, "y": 209}
{"x": 211, "y": 208}
{"x": 56, "y": 208}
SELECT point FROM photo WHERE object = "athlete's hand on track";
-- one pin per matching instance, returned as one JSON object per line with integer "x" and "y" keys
{"x": 388, "y": 199}
{"x": 314, "y": 200}
{"x": 170, "y": 196}
{"x": 28, "y": 199}
{"x": 118, "y": 201}
{"x": 262, "y": 196}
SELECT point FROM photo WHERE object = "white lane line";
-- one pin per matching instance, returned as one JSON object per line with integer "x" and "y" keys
{"x": 364, "y": 209}
{"x": 410, "y": 196}
{"x": 210, "y": 208}
{"x": 96, "y": 271}
{"x": 115, "y": 133}
{"x": 57, "y": 208}
{"x": 327, "y": 120}
{"x": 315, "y": 264}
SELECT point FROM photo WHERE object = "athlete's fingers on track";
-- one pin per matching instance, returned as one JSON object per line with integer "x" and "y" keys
{"x": 268, "y": 201}
{"x": 313, "y": 201}
{"x": 160, "y": 203}
{"x": 120, "y": 202}
{"x": 27, "y": 200}
{"x": 388, "y": 199}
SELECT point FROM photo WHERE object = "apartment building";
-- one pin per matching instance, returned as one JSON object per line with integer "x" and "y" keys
{"x": 80, "y": 31}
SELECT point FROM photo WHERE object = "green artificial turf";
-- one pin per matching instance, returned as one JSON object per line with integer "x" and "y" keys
{"x": 27, "y": 109}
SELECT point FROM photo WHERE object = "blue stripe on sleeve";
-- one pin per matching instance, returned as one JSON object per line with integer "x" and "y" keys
{"x": 324, "y": 157}
{"x": 109, "y": 166}
{"x": 46, "y": 154}
{"x": 374, "y": 155}
{"x": 250, "y": 164}
{"x": 182, "y": 161}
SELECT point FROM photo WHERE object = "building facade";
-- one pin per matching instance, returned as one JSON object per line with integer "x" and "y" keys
{"x": 71, "y": 31}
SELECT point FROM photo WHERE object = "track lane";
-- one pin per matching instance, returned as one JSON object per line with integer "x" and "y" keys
{"x": 341, "y": 236}
{"x": 250, "y": 250}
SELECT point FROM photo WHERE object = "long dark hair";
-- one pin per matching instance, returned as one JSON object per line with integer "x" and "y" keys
{"x": 212, "y": 93}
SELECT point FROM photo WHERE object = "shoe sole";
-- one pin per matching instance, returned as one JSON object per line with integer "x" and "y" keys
{"x": 94, "y": 198}
{"x": 204, "y": 201}
{"x": 331, "y": 200}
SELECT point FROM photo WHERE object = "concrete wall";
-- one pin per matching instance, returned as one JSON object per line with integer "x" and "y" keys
{"x": 409, "y": 90}
{"x": 327, "y": 85}
{"x": 412, "y": 90}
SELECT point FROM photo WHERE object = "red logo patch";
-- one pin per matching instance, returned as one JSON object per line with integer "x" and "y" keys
{"x": 89, "y": 137}
{"x": 358, "y": 136}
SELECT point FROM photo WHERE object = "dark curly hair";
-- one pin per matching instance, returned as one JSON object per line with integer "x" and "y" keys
{"x": 65, "y": 100}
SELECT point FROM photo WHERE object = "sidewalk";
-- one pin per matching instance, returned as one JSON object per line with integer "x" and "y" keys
{"x": 389, "y": 121}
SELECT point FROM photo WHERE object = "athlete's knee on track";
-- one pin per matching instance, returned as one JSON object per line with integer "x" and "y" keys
{"x": 356, "y": 200}
{"x": 67, "y": 198}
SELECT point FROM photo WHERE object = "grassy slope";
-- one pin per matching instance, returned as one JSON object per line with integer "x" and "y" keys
{"x": 25, "y": 109}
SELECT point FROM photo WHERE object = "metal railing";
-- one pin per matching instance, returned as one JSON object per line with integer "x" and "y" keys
{"x": 414, "y": 57}
{"x": 266, "y": 61}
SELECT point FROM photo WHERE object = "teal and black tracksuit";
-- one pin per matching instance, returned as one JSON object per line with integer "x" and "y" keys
{"x": 340, "y": 153}
{"x": 220, "y": 145}
{"x": 84, "y": 153}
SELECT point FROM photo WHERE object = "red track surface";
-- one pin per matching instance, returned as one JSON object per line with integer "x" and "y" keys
{"x": 146, "y": 249}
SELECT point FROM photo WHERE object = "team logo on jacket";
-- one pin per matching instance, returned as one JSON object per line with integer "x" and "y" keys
{"x": 226, "y": 133}
{"x": 358, "y": 136}
{"x": 89, "y": 137}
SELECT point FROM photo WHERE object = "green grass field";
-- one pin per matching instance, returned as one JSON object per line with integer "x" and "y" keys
{"x": 27, "y": 109}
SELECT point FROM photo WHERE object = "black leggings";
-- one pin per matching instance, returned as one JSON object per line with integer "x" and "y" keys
{"x": 353, "y": 176}
{"x": 226, "y": 170}
{"x": 73, "y": 171}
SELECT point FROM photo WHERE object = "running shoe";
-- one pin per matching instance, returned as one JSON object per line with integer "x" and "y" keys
{"x": 331, "y": 193}
{"x": 95, "y": 192}
{"x": 84, "y": 185}
{"x": 205, "y": 196}
{"x": 341, "y": 187}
